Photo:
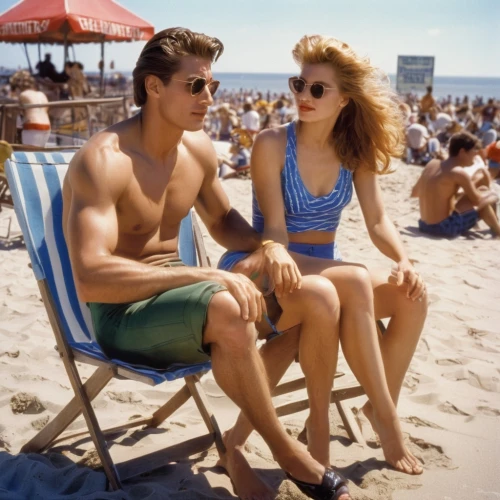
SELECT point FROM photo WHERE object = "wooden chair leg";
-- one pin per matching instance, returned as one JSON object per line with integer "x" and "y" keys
{"x": 159, "y": 416}
{"x": 69, "y": 413}
{"x": 92, "y": 424}
{"x": 336, "y": 395}
{"x": 203, "y": 405}
{"x": 350, "y": 423}
{"x": 79, "y": 390}
{"x": 172, "y": 405}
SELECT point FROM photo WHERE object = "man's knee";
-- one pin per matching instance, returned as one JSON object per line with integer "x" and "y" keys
{"x": 225, "y": 325}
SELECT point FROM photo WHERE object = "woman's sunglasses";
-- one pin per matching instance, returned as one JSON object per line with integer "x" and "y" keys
{"x": 198, "y": 85}
{"x": 298, "y": 85}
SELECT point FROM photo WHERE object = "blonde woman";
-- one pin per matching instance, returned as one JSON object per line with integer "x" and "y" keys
{"x": 348, "y": 128}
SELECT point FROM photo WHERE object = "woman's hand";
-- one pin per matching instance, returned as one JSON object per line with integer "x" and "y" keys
{"x": 404, "y": 272}
{"x": 281, "y": 269}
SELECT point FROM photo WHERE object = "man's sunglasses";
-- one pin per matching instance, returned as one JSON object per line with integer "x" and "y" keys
{"x": 199, "y": 84}
{"x": 298, "y": 85}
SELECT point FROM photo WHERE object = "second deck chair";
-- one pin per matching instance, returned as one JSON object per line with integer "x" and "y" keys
{"x": 5, "y": 153}
{"x": 35, "y": 181}
{"x": 337, "y": 396}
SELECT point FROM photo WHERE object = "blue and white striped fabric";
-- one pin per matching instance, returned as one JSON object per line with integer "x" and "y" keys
{"x": 303, "y": 211}
{"x": 35, "y": 181}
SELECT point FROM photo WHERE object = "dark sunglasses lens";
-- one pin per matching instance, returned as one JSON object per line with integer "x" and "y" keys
{"x": 213, "y": 86}
{"x": 297, "y": 85}
{"x": 197, "y": 86}
{"x": 317, "y": 90}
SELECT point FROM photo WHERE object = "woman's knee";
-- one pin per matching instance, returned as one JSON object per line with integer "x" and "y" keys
{"x": 403, "y": 305}
{"x": 320, "y": 292}
{"x": 356, "y": 287}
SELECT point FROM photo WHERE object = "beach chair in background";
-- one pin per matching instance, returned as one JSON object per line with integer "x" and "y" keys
{"x": 35, "y": 181}
{"x": 5, "y": 153}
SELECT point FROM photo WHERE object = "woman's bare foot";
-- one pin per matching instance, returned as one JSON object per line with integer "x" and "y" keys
{"x": 247, "y": 484}
{"x": 391, "y": 440}
{"x": 366, "y": 415}
{"x": 317, "y": 438}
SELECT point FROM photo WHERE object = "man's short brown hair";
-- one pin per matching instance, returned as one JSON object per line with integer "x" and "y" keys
{"x": 463, "y": 140}
{"x": 162, "y": 55}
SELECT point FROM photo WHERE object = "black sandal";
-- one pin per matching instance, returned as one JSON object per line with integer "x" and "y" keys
{"x": 331, "y": 488}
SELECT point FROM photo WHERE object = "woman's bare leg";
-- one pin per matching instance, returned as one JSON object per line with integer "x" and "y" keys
{"x": 403, "y": 331}
{"x": 361, "y": 349}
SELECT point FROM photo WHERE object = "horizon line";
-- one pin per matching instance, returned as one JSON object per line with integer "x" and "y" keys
{"x": 116, "y": 70}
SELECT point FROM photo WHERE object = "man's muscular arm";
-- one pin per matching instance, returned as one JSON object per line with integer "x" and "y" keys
{"x": 91, "y": 230}
{"x": 226, "y": 226}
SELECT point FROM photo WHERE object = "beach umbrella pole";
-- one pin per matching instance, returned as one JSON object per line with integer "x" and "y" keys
{"x": 101, "y": 84}
{"x": 28, "y": 58}
{"x": 65, "y": 48}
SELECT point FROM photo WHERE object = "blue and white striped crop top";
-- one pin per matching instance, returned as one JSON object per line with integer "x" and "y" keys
{"x": 303, "y": 211}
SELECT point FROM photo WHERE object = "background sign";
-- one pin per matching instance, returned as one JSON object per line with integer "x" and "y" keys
{"x": 415, "y": 73}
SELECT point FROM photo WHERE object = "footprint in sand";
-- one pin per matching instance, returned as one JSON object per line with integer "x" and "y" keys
{"x": 448, "y": 407}
{"x": 456, "y": 375}
{"x": 429, "y": 399}
{"x": 451, "y": 361}
{"x": 431, "y": 455}
{"x": 488, "y": 383}
{"x": 488, "y": 411}
{"x": 420, "y": 422}
{"x": 123, "y": 397}
{"x": 371, "y": 480}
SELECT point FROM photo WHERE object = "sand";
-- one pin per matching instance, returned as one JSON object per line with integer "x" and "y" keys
{"x": 450, "y": 405}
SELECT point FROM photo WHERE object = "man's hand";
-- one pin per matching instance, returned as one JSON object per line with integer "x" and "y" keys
{"x": 404, "y": 272}
{"x": 281, "y": 269}
{"x": 249, "y": 298}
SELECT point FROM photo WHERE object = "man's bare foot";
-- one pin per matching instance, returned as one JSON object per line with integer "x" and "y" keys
{"x": 391, "y": 440}
{"x": 247, "y": 484}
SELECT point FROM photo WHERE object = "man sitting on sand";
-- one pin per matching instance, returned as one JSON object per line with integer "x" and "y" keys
{"x": 125, "y": 195}
{"x": 444, "y": 210}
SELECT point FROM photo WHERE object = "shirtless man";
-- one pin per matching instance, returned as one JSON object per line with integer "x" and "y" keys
{"x": 125, "y": 194}
{"x": 36, "y": 123}
{"x": 443, "y": 210}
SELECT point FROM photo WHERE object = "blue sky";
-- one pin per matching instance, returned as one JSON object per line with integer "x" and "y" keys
{"x": 463, "y": 35}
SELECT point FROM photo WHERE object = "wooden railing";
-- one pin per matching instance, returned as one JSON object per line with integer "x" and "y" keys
{"x": 89, "y": 115}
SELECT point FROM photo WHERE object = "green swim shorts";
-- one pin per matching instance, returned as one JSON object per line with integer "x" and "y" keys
{"x": 158, "y": 332}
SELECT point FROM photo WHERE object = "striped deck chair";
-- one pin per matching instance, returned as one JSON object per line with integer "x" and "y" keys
{"x": 35, "y": 180}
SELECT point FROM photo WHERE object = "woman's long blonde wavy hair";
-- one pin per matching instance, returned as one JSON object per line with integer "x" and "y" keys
{"x": 369, "y": 130}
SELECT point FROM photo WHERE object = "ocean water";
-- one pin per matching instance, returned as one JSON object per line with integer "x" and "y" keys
{"x": 456, "y": 86}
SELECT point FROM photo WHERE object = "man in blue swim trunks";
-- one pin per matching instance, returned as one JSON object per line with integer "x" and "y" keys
{"x": 125, "y": 195}
{"x": 444, "y": 209}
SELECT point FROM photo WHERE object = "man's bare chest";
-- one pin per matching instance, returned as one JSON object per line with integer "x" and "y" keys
{"x": 156, "y": 204}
